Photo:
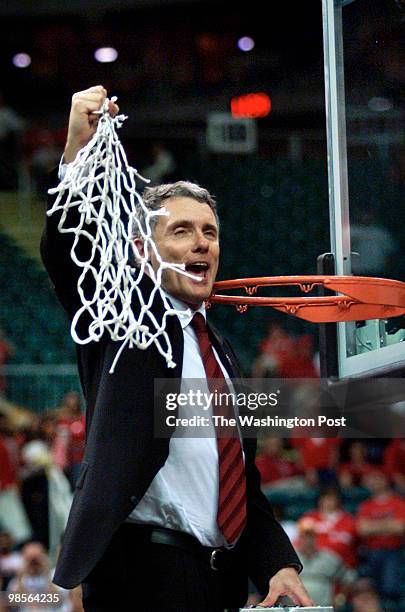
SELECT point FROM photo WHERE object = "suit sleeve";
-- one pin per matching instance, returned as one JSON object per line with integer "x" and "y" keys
{"x": 56, "y": 255}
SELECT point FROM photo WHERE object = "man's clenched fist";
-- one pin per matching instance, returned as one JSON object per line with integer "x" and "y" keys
{"x": 83, "y": 121}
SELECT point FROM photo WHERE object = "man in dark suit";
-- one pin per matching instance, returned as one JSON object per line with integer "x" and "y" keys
{"x": 147, "y": 526}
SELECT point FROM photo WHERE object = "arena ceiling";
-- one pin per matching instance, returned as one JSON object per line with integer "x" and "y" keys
{"x": 76, "y": 7}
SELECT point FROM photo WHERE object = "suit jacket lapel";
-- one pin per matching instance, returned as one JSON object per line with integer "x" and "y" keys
{"x": 225, "y": 352}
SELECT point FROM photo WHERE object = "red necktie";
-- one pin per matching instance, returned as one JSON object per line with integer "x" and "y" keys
{"x": 231, "y": 516}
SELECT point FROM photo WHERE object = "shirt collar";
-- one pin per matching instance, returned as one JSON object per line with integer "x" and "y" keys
{"x": 182, "y": 307}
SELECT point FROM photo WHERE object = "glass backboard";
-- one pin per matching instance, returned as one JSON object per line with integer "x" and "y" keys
{"x": 364, "y": 51}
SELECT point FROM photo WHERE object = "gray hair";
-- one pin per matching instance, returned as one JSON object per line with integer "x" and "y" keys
{"x": 154, "y": 197}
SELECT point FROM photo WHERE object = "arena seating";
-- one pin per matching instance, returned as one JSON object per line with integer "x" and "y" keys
{"x": 295, "y": 503}
{"x": 30, "y": 315}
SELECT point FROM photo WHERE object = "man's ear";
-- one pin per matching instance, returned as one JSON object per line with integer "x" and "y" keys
{"x": 139, "y": 244}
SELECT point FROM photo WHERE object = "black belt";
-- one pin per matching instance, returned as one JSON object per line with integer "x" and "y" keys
{"x": 217, "y": 558}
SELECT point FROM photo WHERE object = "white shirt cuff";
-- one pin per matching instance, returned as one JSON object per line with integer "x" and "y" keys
{"x": 62, "y": 169}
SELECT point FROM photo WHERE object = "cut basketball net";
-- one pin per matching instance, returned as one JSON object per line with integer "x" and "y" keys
{"x": 99, "y": 203}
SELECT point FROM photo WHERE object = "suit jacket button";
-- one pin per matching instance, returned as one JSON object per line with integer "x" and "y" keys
{"x": 134, "y": 500}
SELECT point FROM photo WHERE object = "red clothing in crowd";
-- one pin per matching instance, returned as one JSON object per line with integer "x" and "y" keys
{"x": 336, "y": 532}
{"x": 293, "y": 357}
{"x": 356, "y": 470}
{"x": 390, "y": 506}
{"x": 317, "y": 453}
{"x": 8, "y": 471}
{"x": 77, "y": 429}
{"x": 5, "y": 352}
{"x": 394, "y": 458}
{"x": 273, "y": 468}
{"x": 69, "y": 444}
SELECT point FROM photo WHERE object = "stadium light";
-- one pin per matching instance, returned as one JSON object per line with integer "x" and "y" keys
{"x": 21, "y": 60}
{"x": 106, "y": 55}
{"x": 246, "y": 43}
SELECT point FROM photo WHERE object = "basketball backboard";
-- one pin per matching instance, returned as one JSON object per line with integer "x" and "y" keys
{"x": 365, "y": 117}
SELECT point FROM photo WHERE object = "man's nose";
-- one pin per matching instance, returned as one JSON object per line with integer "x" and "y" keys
{"x": 201, "y": 242}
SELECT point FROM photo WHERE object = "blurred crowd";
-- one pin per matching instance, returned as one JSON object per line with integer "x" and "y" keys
{"x": 353, "y": 553}
{"x": 352, "y": 542}
{"x": 352, "y": 556}
{"x": 40, "y": 458}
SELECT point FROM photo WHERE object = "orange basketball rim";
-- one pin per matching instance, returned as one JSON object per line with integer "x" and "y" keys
{"x": 360, "y": 297}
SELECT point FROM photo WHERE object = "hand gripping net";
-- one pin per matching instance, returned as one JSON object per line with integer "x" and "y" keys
{"x": 99, "y": 190}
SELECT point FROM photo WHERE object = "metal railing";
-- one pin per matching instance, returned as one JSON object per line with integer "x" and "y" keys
{"x": 39, "y": 387}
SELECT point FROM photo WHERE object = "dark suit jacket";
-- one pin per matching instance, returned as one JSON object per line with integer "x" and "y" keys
{"x": 122, "y": 455}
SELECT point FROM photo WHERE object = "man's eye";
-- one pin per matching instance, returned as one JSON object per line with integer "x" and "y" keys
{"x": 179, "y": 230}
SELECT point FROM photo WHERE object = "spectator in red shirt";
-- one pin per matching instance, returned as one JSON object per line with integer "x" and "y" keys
{"x": 12, "y": 515}
{"x": 381, "y": 525}
{"x": 335, "y": 528}
{"x": 285, "y": 356}
{"x": 8, "y": 468}
{"x": 318, "y": 457}
{"x": 324, "y": 571}
{"x": 394, "y": 463}
{"x": 352, "y": 472}
{"x": 274, "y": 467}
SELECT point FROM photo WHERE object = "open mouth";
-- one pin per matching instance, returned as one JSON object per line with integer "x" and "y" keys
{"x": 199, "y": 268}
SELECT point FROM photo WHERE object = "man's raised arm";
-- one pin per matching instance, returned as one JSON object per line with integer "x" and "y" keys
{"x": 56, "y": 246}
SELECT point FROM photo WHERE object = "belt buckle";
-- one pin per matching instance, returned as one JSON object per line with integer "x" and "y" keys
{"x": 212, "y": 559}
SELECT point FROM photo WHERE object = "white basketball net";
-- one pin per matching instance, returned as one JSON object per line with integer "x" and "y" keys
{"x": 101, "y": 186}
